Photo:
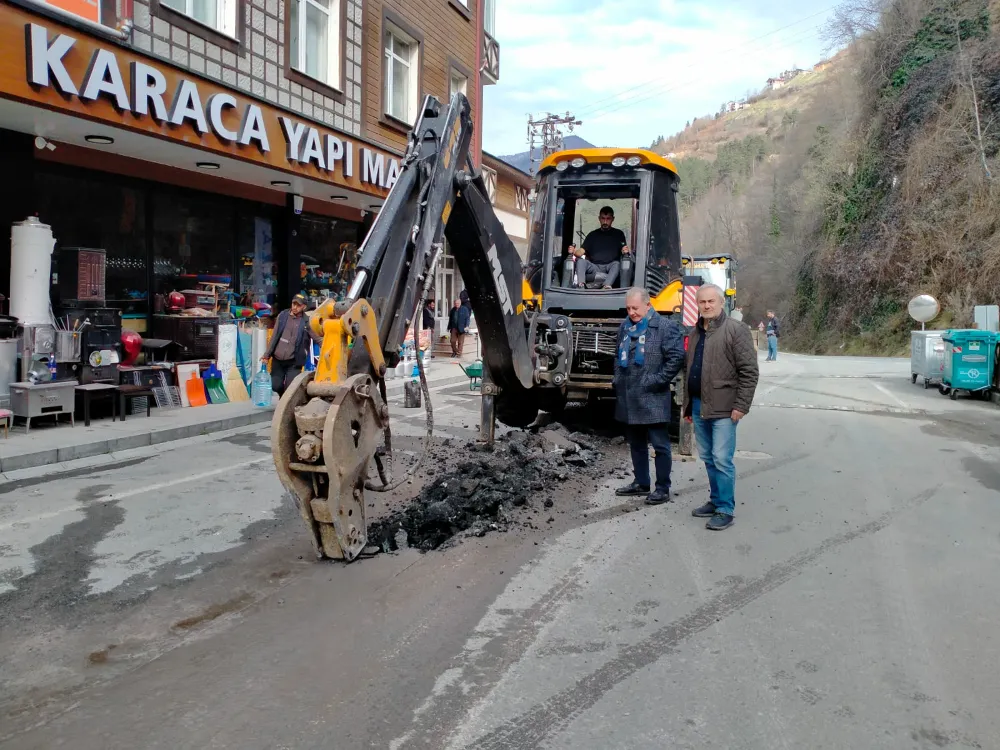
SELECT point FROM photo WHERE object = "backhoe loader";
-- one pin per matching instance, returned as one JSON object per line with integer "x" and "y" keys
{"x": 544, "y": 343}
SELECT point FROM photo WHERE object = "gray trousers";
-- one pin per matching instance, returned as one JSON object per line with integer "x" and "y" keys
{"x": 587, "y": 271}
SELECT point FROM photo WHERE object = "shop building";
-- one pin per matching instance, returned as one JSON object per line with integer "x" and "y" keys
{"x": 243, "y": 140}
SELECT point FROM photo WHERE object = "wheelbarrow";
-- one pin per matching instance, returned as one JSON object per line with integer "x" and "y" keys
{"x": 474, "y": 373}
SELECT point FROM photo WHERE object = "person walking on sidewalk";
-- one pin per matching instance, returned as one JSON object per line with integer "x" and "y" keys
{"x": 289, "y": 346}
{"x": 650, "y": 354}
{"x": 772, "y": 337}
{"x": 458, "y": 325}
{"x": 722, "y": 375}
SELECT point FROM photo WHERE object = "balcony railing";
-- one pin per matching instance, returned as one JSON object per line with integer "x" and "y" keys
{"x": 491, "y": 59}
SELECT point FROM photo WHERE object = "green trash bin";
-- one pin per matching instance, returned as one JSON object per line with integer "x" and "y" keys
{"x": 968, "y": 360}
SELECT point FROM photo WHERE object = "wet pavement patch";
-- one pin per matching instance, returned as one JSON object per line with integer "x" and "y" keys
{"x": 488, "y": 488}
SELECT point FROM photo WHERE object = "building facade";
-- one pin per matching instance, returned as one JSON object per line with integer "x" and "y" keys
{"x": 248, "y": 140}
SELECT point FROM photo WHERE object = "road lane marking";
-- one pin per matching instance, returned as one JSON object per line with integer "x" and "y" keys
{"x": 116, "y": 496}
{"x": 891, "y": 395}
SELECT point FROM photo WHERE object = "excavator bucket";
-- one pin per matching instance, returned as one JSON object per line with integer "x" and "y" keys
{"x": 323, "y": 436}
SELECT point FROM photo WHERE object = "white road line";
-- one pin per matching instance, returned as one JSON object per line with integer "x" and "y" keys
{"x": 890, "y": 394}
{"x": 133, "y": 492}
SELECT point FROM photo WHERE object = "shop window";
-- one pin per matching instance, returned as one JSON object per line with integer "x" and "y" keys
{"x": 94, "y": 213}
{"x": 257, "y": 264}
{"x": 219, "y": 15}
{"x": 194, "y": 238}
{"x": 315, "y": 39}
{"x": 328, "y": 267}
{"x": 401, "y": 73}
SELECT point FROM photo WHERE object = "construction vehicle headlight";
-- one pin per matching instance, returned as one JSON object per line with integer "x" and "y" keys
{"x": 562, "y": 166}
{"x": 634, "y": 161}
{"x": 618, "y": 161}
{"x": 578, "y": 162}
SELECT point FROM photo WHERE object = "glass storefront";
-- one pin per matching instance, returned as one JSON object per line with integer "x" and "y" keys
{"x": 329, "y": 256}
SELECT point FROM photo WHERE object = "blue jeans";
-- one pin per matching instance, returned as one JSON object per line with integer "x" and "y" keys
{"x": 772, "y": 347}
{"x": 640, "y": 436}
{"x": 716, "y": 447}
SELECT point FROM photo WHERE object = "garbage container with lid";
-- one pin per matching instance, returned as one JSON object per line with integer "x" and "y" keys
{"x": 968, "y": 360}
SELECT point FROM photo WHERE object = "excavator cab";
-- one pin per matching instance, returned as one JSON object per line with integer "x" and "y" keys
{"x": 577, "y": 323}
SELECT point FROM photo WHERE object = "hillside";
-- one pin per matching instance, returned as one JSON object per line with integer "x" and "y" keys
{"x": 861, "y": 184}
{"x": 522, "y": 160}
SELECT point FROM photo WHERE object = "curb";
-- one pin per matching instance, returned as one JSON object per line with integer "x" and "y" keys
{"x": 167, "y": 434}
{"x": 140, "y": 440}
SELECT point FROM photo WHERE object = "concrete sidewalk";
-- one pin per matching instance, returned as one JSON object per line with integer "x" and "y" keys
{"x": 51, "y": 444}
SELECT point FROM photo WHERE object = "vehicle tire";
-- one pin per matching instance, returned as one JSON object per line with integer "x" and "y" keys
{"x": 913, "y": 378}
{"x": 927, "y": 384}
{"x": 517, "y": 410}
{"x": 954, "y": 394}
{"x": 943, "y": 389}
{"x": 553, "y": 403}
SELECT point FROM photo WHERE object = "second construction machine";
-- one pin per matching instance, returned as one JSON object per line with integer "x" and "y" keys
{"x": 543, "y": 343}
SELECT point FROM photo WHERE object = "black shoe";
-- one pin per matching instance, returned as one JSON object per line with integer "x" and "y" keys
{"x": 705, "y": 511}
{"x": 631, "y": 490}
{"x": 719, "y": 521}
{"x": 658, "y": 497}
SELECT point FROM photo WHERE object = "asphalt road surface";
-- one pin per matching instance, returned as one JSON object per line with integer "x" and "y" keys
{"x": 170, "y": 599}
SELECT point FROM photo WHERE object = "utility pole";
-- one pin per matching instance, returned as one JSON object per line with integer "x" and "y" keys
{"x": 545, "y": 134}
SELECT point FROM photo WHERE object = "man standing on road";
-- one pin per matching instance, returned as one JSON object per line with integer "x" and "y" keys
{"x": 722, "y": 376}
{"x": 289, "y": 346}
{"x": 650, "y": 354}
{"x": 458, "y": 325}
{"x": 772, "y": 337}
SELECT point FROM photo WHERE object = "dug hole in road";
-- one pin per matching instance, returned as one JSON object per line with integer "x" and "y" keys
{"x": 844, "y": 608}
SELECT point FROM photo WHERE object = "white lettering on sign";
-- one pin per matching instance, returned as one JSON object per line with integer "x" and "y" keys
{"x": 148, "y": 88}
{"x": 373, "y": 170}
{"x": 216, "y": 103}
{"x": 293, "y": 137}
{"x": 45, "y": 58}
{"x": 145, "y": 95}
{"x": 312, "y": 153}
{"x": 103, "y": 77}
{"x": 252, "y": 129}
{"x": 187, "y": 106}
{"x": 501, "y": 282}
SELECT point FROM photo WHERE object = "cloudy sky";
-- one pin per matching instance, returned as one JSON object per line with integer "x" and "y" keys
{"x": 635, "y": 69}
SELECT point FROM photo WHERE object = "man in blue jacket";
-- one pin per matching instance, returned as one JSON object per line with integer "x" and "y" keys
{"x": 289, "y": 346}
{"x": 650, "y": 354}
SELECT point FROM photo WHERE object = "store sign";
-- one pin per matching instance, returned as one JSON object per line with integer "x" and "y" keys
{"x": 179, "y": 106}
{"x": 89, "y": 9}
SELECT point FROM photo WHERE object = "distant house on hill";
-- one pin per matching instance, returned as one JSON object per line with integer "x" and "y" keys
{"x": 734, "y": 106}
{"x": 775, "y": 83}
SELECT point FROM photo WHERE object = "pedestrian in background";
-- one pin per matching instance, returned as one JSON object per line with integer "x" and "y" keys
{"x": 650, "y": 354}
{"x": 288, "y": 349}
{"x": 458, "y": 326}
{"x": 722, "y": 375}
{"x": 772, "y": 337}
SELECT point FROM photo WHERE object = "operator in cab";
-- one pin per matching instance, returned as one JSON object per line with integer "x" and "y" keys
{"x": 602, "y": 252}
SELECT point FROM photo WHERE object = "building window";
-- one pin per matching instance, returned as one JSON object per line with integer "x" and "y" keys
{"x": 489, "y": 17}
{"x": 401, "y": 84}
{"x": 219, "y": 15}
{"x": 459, "y": 84}
{"x": 314, "y": 39}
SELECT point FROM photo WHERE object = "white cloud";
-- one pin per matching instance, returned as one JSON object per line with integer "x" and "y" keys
{"x": 634, "y": 69}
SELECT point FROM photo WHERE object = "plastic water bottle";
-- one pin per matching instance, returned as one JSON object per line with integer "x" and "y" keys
{"x": 52, "y": 366}
{"x": 262, "y": 387}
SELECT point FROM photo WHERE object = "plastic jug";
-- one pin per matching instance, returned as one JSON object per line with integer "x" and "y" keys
{"x": 262, "y": 387}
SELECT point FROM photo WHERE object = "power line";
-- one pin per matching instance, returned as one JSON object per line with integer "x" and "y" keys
{"x": 664, "y": 88}
{"x": 598, "y": 104}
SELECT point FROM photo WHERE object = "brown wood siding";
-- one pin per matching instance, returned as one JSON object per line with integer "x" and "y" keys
{"x": 447, "y": 34}
{"x": 506, "y": 198}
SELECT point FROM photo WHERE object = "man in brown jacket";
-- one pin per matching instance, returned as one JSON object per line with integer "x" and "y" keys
{"x": 722, "y": 376}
